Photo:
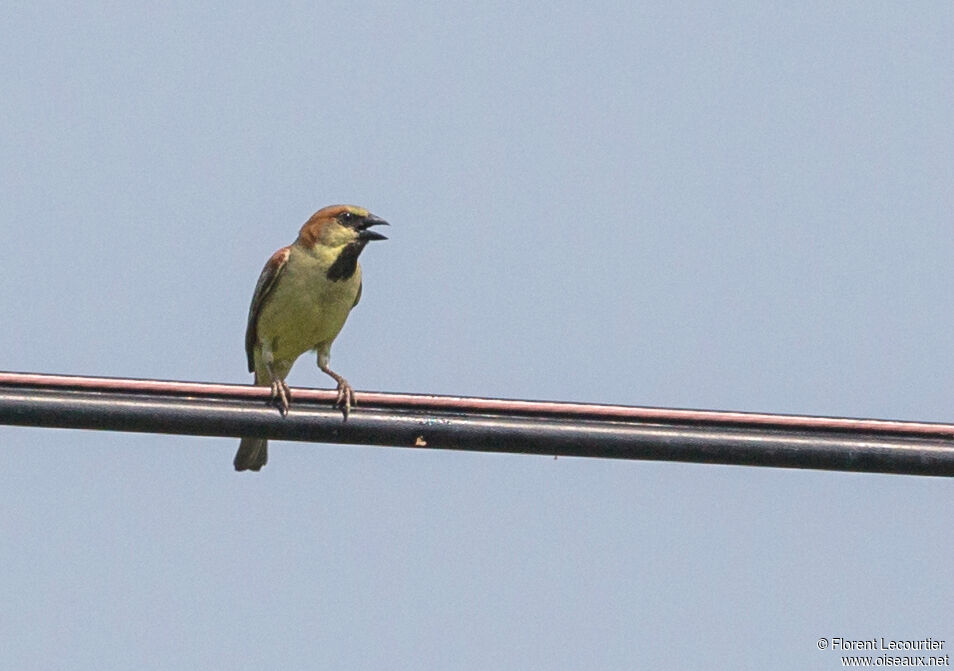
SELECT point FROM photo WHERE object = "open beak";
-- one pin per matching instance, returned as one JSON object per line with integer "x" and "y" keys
{"x": 369, "y": 221}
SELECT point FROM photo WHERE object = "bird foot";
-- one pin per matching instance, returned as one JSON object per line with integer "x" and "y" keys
{"x": 345, "y": 399}
{"x": 281, "y": 396}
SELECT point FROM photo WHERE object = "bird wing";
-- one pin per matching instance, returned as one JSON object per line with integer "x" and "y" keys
{"x": 266, "y": 282}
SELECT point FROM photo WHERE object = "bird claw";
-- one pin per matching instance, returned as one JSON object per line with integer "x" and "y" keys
{"x": 281, "y": 396}
{"x": 345, "y": 399}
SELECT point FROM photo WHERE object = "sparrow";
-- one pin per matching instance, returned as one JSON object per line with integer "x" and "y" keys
{"x": 301, "y": 301}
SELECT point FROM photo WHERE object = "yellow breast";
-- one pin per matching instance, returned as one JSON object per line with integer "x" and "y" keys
{"x": 305, "y": 309}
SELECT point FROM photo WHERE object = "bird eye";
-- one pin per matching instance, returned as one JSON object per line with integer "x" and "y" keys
{"x": 347, "y": 216}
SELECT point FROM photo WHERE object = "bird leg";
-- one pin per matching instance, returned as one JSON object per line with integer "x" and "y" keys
{"x": 281, "y": 394}
{"x": 345, "y": 399}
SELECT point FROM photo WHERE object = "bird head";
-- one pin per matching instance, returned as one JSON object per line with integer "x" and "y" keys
{"x": 339, "y": 225}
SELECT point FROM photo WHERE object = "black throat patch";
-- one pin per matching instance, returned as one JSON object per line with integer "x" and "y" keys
{"x": 347, "y": 261}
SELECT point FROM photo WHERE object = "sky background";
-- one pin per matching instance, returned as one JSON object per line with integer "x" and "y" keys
{"x": 704, "y": 205}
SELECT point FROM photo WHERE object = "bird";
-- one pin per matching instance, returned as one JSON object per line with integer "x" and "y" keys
{"x": 300, "y": 303}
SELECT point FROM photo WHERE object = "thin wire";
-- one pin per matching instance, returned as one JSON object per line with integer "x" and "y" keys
{"x": 480, "y": 424}
{"x": 465, "y": 404}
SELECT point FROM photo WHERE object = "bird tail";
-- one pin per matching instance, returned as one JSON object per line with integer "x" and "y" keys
{"x": 252, "y": 454}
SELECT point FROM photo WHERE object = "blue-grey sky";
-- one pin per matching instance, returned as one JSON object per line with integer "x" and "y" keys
{"x": 709, "y": 205}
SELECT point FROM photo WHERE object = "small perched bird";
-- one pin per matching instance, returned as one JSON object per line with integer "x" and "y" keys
{"x": 301, "y": 301}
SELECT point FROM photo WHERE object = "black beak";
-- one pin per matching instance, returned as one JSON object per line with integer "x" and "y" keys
{"x": 368, "y": 222}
